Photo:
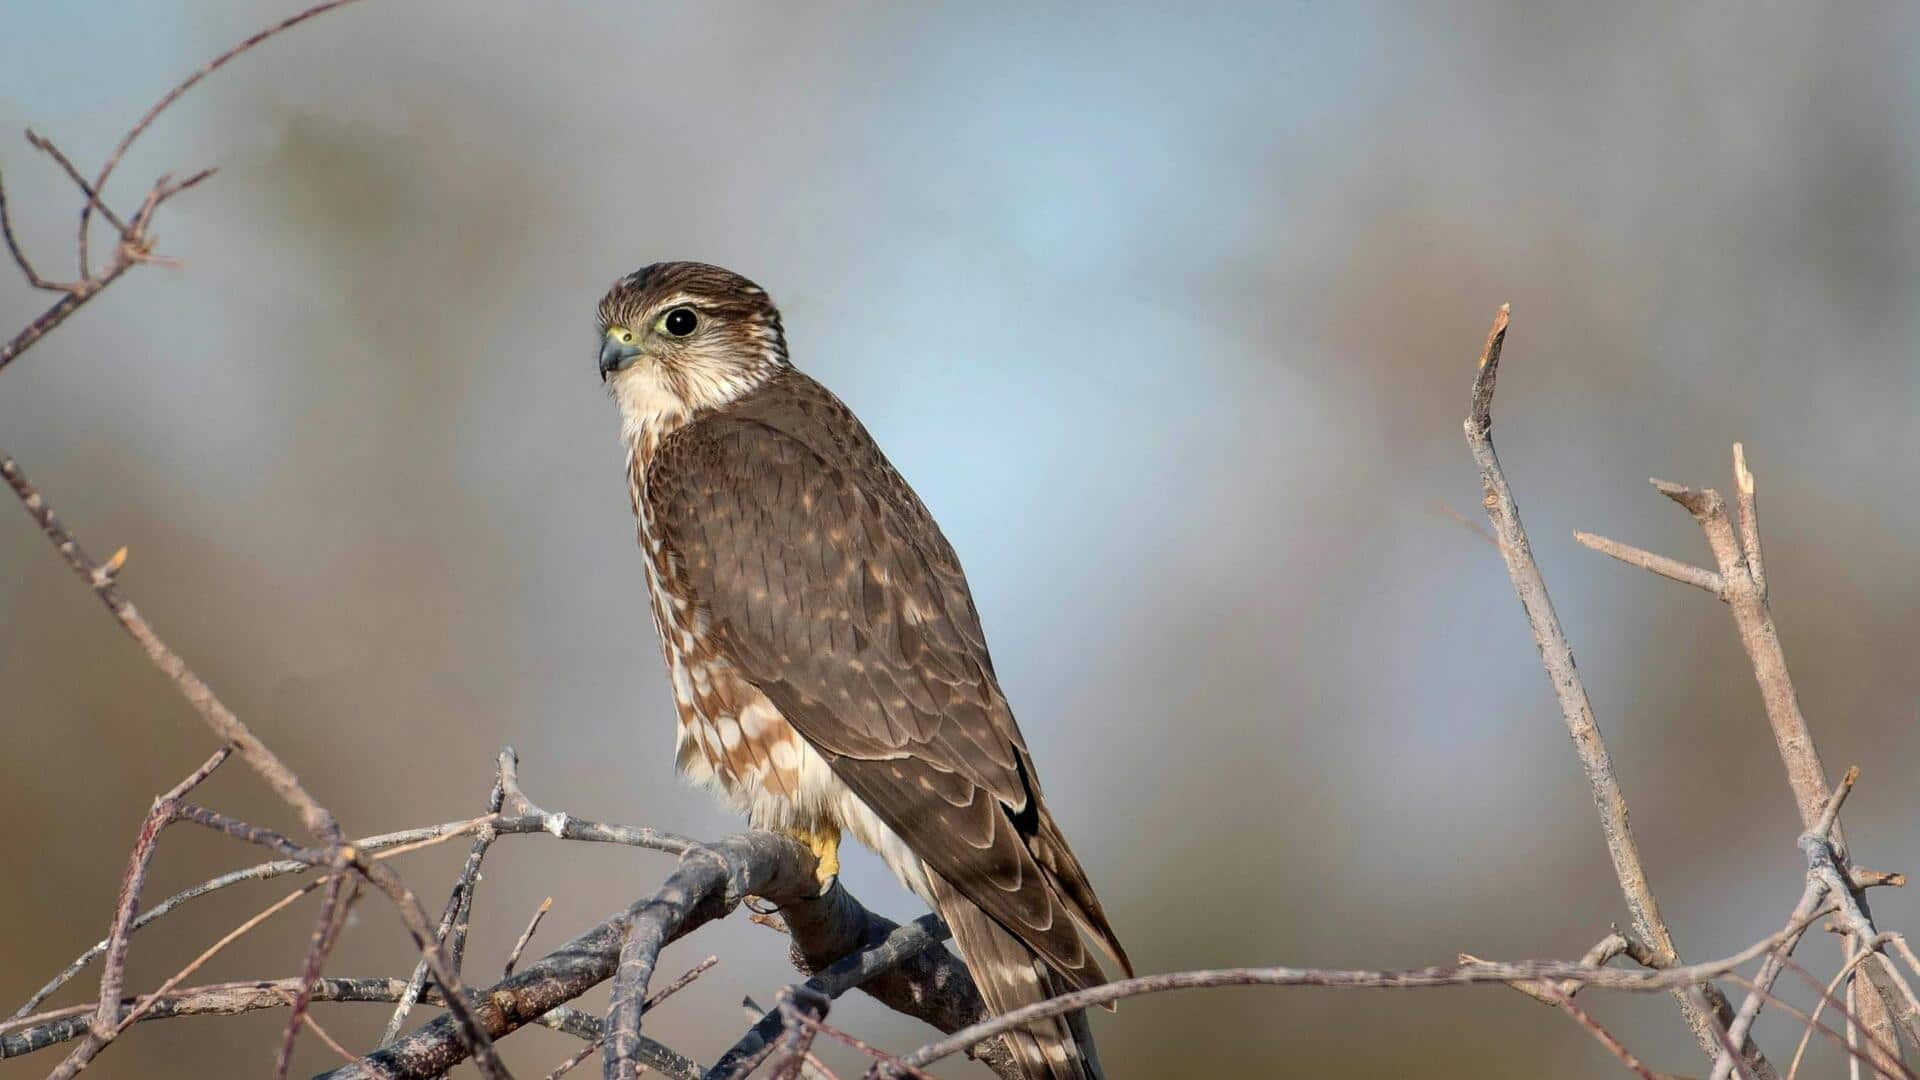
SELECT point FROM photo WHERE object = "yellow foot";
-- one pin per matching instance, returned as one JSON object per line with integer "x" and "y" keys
{"x": 824, "y": 841}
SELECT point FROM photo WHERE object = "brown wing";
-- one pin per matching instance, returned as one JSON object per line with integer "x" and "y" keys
{"x": 826, "y": 581}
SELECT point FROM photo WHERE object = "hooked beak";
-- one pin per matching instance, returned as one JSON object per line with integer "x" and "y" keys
{"x": 616, "y": 355}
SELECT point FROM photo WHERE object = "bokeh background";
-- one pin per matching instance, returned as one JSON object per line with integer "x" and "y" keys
{"x": 1169, "y": 316}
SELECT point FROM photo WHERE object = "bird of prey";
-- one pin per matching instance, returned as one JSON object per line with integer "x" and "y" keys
{"x": 828, "y": 667}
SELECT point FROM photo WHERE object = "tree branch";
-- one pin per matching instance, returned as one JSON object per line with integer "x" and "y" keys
{"x": 903, "y": 943}
{"x": 1736, "y": 551}
{"x": 1575, "y": 707}
{"x": 1533, "y": 971}
{"x": 710, "y": 881}
{"x": 227, "y": 999}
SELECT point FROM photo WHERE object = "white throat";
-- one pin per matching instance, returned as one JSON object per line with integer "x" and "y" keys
{"x": 649, "y": 408}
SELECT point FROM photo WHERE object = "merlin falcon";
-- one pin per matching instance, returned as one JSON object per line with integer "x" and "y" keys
{"x": 828, "y": 667}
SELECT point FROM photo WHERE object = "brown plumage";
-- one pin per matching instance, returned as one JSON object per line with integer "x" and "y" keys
{"x": 828, "y": 662}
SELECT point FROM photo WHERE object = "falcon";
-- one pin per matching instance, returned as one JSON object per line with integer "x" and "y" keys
{"x": 828, "y": 667}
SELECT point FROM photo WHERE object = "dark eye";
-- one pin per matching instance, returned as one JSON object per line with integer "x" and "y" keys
{"x": 680, "y": 322}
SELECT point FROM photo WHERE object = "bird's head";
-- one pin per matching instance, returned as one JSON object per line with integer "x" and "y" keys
{"x": 688, "y": 336}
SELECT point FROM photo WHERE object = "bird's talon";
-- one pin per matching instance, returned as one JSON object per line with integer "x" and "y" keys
{"x": 824, "y": 842}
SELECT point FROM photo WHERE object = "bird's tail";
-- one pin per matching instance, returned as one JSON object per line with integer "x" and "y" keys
{"x": 1009, "y": 975}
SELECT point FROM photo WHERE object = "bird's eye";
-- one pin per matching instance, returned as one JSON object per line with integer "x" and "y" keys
{"x": 680, "y": 322}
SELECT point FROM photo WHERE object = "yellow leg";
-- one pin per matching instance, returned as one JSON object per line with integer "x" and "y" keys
{"x": 824, "y": 841}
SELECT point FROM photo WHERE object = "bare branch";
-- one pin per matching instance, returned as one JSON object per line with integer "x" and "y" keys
{"x": 453, "y": 921}
{"x": 907, "y": 941}
{"x": 933, "y": 986}
{"x": 1614, "y": 944}
{"x": 1564, "y": 1001}
{"x": 1812, "y": 1020}
{"x": 147, "y": 1002}
{"x": 263, "y": 761}
{"x": 1736, "y": 551}
{"x": 472, "y": 1034}
{"x": 1575, "y": 707}
{"x": 173, "y": 95}
{"x": 1684, "y": 573}
{"x": 225, "y": 999}
{"x": 1812, "y": 901}
{"x": 520, "y": 945}
{"x": 77, "y": 294}
{"x": 1749, "y": 519}
{"x": 341, "y": 890}
{"x": 25, "y": 264}
{"x": 45, "y": 145}
{"x": 561, "y": 825}
{"x": 105, "y": 1026}
{"x": 1408, "y": 979}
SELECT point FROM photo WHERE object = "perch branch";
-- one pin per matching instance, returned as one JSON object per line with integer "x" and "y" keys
{"x": 709, "y": 882}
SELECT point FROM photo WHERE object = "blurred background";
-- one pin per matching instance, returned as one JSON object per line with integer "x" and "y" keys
{"x": 1170, "y": 318}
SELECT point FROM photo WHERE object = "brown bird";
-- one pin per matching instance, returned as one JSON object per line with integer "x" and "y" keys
{"x": 828, "y": 667}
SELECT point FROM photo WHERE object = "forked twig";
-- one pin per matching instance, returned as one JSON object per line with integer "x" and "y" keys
{"x": 1575, "y": 707}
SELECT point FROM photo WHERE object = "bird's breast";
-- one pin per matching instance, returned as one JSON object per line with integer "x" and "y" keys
{"x": 728, "y": 736}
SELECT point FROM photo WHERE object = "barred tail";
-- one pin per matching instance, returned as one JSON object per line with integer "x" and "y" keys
{"x": 1010, "y": 975}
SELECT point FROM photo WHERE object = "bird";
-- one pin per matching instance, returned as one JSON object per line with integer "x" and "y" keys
{"x": 829, "y": 671}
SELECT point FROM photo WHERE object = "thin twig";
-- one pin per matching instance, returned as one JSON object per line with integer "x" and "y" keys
{"x": 1749, "y": 520}
{"x": 382, "y": 846}
{"x": 1812, "y": 1020}
{"x": 668, "y": 991}
{"x": 146, "y": 1002}
{"x": 574, "y": 1060}
{"x": 1575, "y": 707}
{"x": 1614, "y": 944}
{"x": 263, "y": 761}
{"x": 1409, "y": 979}
{"x": 1605, "y": 1038}
{"x": 1822, "y": 892}
{"x": 1741, "y": 570}
{"x": 520, "y": 945}
{"x": 173, "y": 95}
{"x": 472, "y": 1032}
{"x": 710, "y": 882}
{"x": 326, "y": 933}
{"x": 453, "y": 920}
{"x": 45, "y": 145}
{"x": 1812, "y": 901}
{"x": 880, "y": 1057}
{"x": 907, "y": 941}
{"x": 332, "y": 1043}
{"x": 1672, "y": 569}
{"x": 106, "y": 1020}
{"x": 19, "y": 254}
{"x": 224, "y": 999}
